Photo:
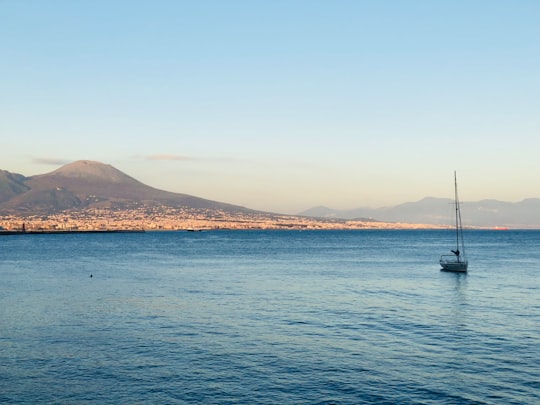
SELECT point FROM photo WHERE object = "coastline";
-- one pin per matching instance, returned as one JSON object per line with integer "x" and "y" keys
{"x": 47, "y": 232}
{"x": 180, "y": 219}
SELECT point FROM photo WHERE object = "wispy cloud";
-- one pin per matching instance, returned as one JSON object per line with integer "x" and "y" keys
{"x": 169, "y": 157}
{"x": 165, "y": 157}
{"x": 51, "y": 161}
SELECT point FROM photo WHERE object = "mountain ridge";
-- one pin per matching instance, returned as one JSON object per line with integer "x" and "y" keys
{"x": 92, "y": 170}
{"x": 90, "y": 184}
{"x": 11, "y": 184}
{"x": 439, "y": 211}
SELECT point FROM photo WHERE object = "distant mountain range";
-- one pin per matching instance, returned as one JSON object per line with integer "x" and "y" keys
{"x": 88, "y": 184}
{"x": 439, "y": 211}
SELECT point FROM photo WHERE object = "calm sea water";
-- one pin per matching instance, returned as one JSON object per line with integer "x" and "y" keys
{"x": 322, "y": 317}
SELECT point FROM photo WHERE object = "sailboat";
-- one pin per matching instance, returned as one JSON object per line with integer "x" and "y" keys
{"x": 457, "y": 261}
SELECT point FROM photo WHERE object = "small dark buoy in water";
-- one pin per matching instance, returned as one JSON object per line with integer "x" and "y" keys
{"x": 90, "y": 276}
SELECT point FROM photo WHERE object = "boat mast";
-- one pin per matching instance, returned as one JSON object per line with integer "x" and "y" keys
{"x": 459, "y": 227}
{"x": 456, "y": 206}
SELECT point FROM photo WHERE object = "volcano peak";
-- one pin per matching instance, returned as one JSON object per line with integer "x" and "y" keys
{"x": 93, "y": 171}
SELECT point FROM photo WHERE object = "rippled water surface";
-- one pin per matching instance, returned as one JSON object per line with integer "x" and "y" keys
{"x": 329, "y": 317}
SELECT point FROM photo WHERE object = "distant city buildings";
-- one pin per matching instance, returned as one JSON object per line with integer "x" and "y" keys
{"x": 168, "y": 219}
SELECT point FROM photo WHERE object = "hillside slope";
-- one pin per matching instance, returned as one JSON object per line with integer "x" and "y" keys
{"x": 89, "y": 184}
{"x": 440, "y": 211}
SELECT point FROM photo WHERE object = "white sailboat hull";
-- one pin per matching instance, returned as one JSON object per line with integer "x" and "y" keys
{"x": 455, "y": 264}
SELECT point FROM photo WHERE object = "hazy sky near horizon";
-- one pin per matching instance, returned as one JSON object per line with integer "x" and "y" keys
{"x": 279, "y": 105}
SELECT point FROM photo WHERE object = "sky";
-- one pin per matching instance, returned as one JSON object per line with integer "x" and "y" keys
{"x": 279, "y": 105}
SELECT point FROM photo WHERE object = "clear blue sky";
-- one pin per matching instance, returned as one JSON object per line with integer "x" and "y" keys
{"x": 278, "y": 105}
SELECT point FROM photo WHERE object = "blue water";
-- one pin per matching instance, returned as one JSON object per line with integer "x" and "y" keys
{"x": 322, "y": 317}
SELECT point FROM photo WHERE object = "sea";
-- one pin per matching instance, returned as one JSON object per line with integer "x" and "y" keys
{"x": 269, "y": 317}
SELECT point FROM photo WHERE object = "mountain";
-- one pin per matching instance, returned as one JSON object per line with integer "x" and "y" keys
{"x": 89, "y": 184}
{"x": 440, "y": 211}
{"x": 11, "y": 185}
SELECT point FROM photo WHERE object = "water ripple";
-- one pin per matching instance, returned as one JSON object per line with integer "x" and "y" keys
{"x": 268, "y": 317}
